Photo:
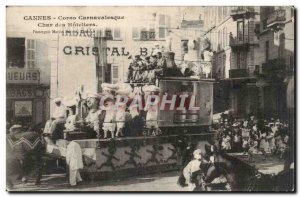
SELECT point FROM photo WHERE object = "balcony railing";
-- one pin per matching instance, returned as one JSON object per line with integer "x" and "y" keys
{"x": 274, "y": 68}
{"x": 242, "y": 12}
{"x": 236, "y": 73}
{"x": 277, "y": 18}
{"x": 239, "y": 43}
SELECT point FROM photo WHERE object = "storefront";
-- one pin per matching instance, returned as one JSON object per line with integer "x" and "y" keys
{"x": 27, "y": 101}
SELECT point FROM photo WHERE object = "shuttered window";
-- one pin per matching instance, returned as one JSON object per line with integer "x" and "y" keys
{"x": 115, "y": 74}
{"x": 30, "y": 53}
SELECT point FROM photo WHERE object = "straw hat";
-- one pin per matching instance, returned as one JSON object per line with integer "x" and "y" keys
{"x": 16, "y": 126}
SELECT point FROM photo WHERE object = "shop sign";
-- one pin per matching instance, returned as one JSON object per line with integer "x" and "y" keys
{"x": 22, "y": 76}
{"x": 20, "y": 92}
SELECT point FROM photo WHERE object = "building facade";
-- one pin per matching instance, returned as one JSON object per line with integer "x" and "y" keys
{"x": 117, "y": 44}
{"x": 28, "y": 80}
{"x": 249, "y": 59}
{"x": 231, "y": 32}
{"x": 276, "y": 59}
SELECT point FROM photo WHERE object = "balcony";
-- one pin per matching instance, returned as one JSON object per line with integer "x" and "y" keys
{"x": 275, "y": 68}
{"x": 277, "y": 19}
{"x": 239, "y": 43}
{"x": 242, "y": 12}
{"x": 238, "y": 73}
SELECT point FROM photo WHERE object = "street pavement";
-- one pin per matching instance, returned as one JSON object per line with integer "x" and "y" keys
{"x": 58, "y": 182}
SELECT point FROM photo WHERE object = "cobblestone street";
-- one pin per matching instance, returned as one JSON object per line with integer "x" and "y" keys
{"x": 155, "y": 182}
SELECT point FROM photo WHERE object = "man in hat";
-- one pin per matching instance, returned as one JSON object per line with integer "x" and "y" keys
{"x": 58, "y": 117}
{"x": 161, "y": 61}
{"x": 136, "y": 67}
{"x": 133, "y": 67}
{"x": 192, "y": 167}
{"x": 237, "y": 137}
{"x": 15, "y": 129}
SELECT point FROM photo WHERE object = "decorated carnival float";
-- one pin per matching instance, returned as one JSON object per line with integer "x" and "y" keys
{"x": 133, "y": 137}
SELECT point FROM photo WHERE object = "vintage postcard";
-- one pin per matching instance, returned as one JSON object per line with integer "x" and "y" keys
{"x": 150, "y": 99}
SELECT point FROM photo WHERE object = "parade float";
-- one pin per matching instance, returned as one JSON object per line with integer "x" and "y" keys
{"x": 154, "y": 140}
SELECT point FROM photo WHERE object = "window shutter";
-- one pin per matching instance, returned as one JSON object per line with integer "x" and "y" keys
{"x": 117, "y": 33}
{"x": 135, "y": 33}
{"x": 115, "y": 74}
{"x": 30, "y": 51}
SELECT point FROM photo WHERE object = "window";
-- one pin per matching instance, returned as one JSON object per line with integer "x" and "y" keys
{"x": 117, "y": 34}
{"x": 246, "y": 32}
{"x": 292, "y": 11}
{"x": 15, "y": 54}
{"x": 238, "y": 60}
{"x": 162, "y": 20}
{"x": 108, "y": 33}
{"x": 240, "y": 31}
{"x": 162, "y": 26}
{"x": 241, "y": 60}
{"x": 115, "y": 74}
{"x": 31, "y": 53}
{"x": 267, "y": 51}
{"x": 135, "y": 33}
{"x": 219, "y": 39}
{"x": 244, "y": 61}
{"x": 108, "y": 73}
{"x": 224, "y": 37}
{"x": 161, "y": 32}
{"x": 99, "y": 33}
{"x": 220, "y": 14}
{"x": 152, "y": 34}
{"x": 144, "y": 34}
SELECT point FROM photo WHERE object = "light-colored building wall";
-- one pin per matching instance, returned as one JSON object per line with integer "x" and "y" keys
{"x": 281, "y": 41}
{"x": 126, "y": 41}
{"x": 40, "y": 59}
{"x": 219, "y": 26}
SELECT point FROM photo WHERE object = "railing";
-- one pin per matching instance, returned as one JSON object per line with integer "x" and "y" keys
{"x": 242, "y": 9}
{"x": 274, "y": 67}
{"x": 236, "y": 73}
{"x": 240, "y": 40}
{"x": 278, "y": 16}
{"x": 242, "y": 12}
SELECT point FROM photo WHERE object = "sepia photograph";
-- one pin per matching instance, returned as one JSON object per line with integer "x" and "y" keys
{"x": 150, "y": 99}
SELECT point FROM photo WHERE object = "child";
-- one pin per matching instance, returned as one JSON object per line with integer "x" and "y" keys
{"x": 151, "y": 121}
{"x": 245, "y": 138}
{"x": 120, "y": 119}
{"x": 192, "y": 167}
{"x": 110, "y": 118}
{"x": 226, "y": 142}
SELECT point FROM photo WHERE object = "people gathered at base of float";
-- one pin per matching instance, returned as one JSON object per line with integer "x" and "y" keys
{"x": 106, "y": 115}
{"x": 253, "y": 135}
